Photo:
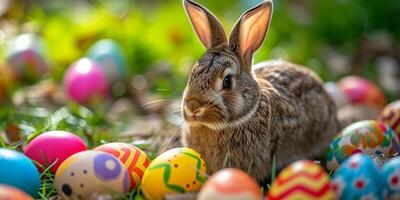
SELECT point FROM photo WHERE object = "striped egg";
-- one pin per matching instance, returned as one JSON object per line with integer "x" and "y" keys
{"x": 368, "y": 136}
{"x": 177, "y": 170}
{"x": 134, "y": 159}
{"x": 391, "y": 116}
{"x": 302, "y": 180}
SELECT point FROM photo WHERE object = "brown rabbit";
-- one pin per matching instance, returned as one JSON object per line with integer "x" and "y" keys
{"x": 239, "y": 115}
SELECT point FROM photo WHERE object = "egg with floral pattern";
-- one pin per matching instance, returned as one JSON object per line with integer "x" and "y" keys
{"x": 390, "y": 179}
{"x": 357, "y": 178}
{"x": 89, "y": 173}
{"x": 368, "y": 136}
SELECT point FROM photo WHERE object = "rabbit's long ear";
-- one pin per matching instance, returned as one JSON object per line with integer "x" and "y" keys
{"x": 249, "y": 32}
{"x": 207, "y": 27}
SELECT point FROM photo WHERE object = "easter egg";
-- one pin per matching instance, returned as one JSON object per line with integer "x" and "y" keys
{"x": 177, "y": 170}
{"x": 91, "y": 172}
{"x": 391, "y": 116}
{"x": 362, "y": 91}
{"x": 11, "y": 193}
{"x": 230, "y": 184}
{"x": 26, "y": 56}
{"x": 390, "y": 179}
{"x": 336, "y": 94}
{"x": 302, "y": 180}
{"x": 357, "y": 178}
{"x": 19, "y": 171}
{"x": 108, "y": 53}
{"x": 53, "y": 147}
{"x": 85, "y": 82}
{"x": 134, "y": 159}
{"x": 368, "y": 136}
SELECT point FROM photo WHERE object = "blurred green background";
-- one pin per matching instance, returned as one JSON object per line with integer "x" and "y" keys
{"x": 332, "y": 37}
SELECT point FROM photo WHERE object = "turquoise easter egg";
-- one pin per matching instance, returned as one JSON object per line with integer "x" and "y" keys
{"x": 19, "y": 171}
{"x": 108, "y": 54}
{"x": 390, "y": 179}
{"x": 357, "y": 178}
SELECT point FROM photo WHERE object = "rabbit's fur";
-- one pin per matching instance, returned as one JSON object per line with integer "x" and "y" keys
{"x": 272, "y": 109}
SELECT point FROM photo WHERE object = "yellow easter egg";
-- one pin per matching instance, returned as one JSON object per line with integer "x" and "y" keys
{"x": 302, "y": 180}
{"x": 178, "y": 170}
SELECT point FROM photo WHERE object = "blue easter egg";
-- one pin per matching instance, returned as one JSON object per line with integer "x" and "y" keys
{"x": 108, "y": 54}
{"x": 25, "y": 54}
{"x": 19, "y": 171}
{"x": 390, "y": 179}
{"x": 357, "y": 178}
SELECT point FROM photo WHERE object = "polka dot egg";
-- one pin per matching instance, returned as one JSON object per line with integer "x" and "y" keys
{"x": 390, "y": 179}
{"x": 178, "y": 170}
{"x": 368, "y": 136}
{"x": 134, "y": 159}
{"x": 302, "y": 180}
{"x": 91, "y": 173}
{"x": 357, "y": 178}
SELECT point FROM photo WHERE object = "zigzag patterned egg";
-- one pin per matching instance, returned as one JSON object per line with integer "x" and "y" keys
{"x": 390, "y": 179}
{"x": 391, "y": 116}
{"x": 134, "y": 159}
{"x": 357, "y": 178}
{"x": 178, "y": 170}
{"x": 368, "y": 136}
{"x": 89, "y": 173}
{"x": 302, "y": 180}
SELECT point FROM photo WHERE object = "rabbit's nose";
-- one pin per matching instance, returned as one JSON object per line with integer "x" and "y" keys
{"x": 193, "y": 108}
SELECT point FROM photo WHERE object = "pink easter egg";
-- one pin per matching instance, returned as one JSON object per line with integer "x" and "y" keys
{"x": 85, "y": 82}
{"x": 361, "y": 91}
{"x": 54, "y": 146}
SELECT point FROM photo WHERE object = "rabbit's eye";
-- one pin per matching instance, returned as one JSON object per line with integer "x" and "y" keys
{"x": 227, "y": 82}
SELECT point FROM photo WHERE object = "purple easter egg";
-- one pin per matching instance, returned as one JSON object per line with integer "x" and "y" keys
{"x": 85, "y": 82}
